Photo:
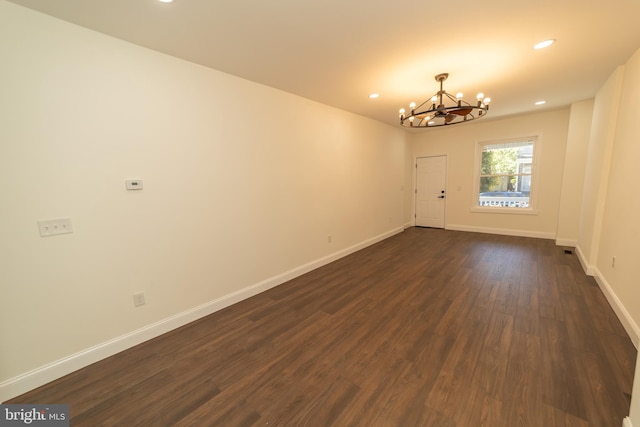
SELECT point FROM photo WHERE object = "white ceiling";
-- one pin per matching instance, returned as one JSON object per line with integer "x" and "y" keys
{"x": 338, "y": 52}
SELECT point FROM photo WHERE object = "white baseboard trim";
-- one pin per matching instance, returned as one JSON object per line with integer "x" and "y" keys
{"x": 625, "y": 318}
{"x": 566, "y": 242}
{"x": 588, "y": 269}
{"x": 37, "y": 377}
{"x": 501, "y": 231}
{"x": 627, "y": 422}
{"x": 623, "y": 315}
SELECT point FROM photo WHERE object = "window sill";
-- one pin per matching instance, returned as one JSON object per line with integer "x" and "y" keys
{"x": 508, "y": 211}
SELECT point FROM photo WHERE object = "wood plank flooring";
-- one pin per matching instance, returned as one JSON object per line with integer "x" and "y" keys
{"x": 427, "y": 328}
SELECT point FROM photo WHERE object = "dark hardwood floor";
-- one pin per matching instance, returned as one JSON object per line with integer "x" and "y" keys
{"x": 427, "y": 328}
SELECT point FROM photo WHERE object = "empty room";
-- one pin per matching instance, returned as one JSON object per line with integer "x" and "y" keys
{"x": 319, "y": 213}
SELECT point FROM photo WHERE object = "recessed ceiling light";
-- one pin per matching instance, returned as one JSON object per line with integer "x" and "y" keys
{"x": 166, "y": 1}
{"x": 541, "y": 102}
{"x": 374, "y": 95}
{"x": 543, "y": 44}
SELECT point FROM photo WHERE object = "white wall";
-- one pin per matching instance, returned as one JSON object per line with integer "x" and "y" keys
{"x": 243, "y": 184}
{"x": 575, "y": 161}
{"x": 603, "y": 127}
{"x": 620, "y": 235}
{"x": 459, "y": 144}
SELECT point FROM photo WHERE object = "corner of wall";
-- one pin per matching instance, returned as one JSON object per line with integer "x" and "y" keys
{"x": 588, "y": 269}
{"x": 572, "y": 243}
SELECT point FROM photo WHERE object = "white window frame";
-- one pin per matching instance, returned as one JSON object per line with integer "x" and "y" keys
{"x": 532, "y": 209}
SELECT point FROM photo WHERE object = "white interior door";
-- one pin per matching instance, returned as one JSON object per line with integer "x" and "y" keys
{"x": 431, "y": 175}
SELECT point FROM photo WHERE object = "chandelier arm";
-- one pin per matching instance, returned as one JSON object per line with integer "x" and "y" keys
{"x": 419, "y": 106}
{"x": 451, "y": 98}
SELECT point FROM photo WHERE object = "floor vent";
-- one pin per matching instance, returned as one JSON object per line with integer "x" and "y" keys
{"x": 568, "y": 251}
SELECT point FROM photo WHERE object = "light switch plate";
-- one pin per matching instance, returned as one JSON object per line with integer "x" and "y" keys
{"x": 53, "y": 227}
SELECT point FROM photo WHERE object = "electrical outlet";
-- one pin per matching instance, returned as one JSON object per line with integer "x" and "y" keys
{"x": 53, "y": 227}
{"x": 613, "y": 262}
{"x": 138, "y": 299}
{"x": 329, "y": 239}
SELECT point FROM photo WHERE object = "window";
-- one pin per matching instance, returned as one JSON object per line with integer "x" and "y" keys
{"x": 505, "y": 174}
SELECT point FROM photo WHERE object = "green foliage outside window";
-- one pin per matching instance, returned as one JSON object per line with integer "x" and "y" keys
{"x": 498, "y": 169}
{"x": 506, "y": 173}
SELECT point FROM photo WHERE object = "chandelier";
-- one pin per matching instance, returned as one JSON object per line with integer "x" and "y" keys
{"x": 435, "y": 112}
